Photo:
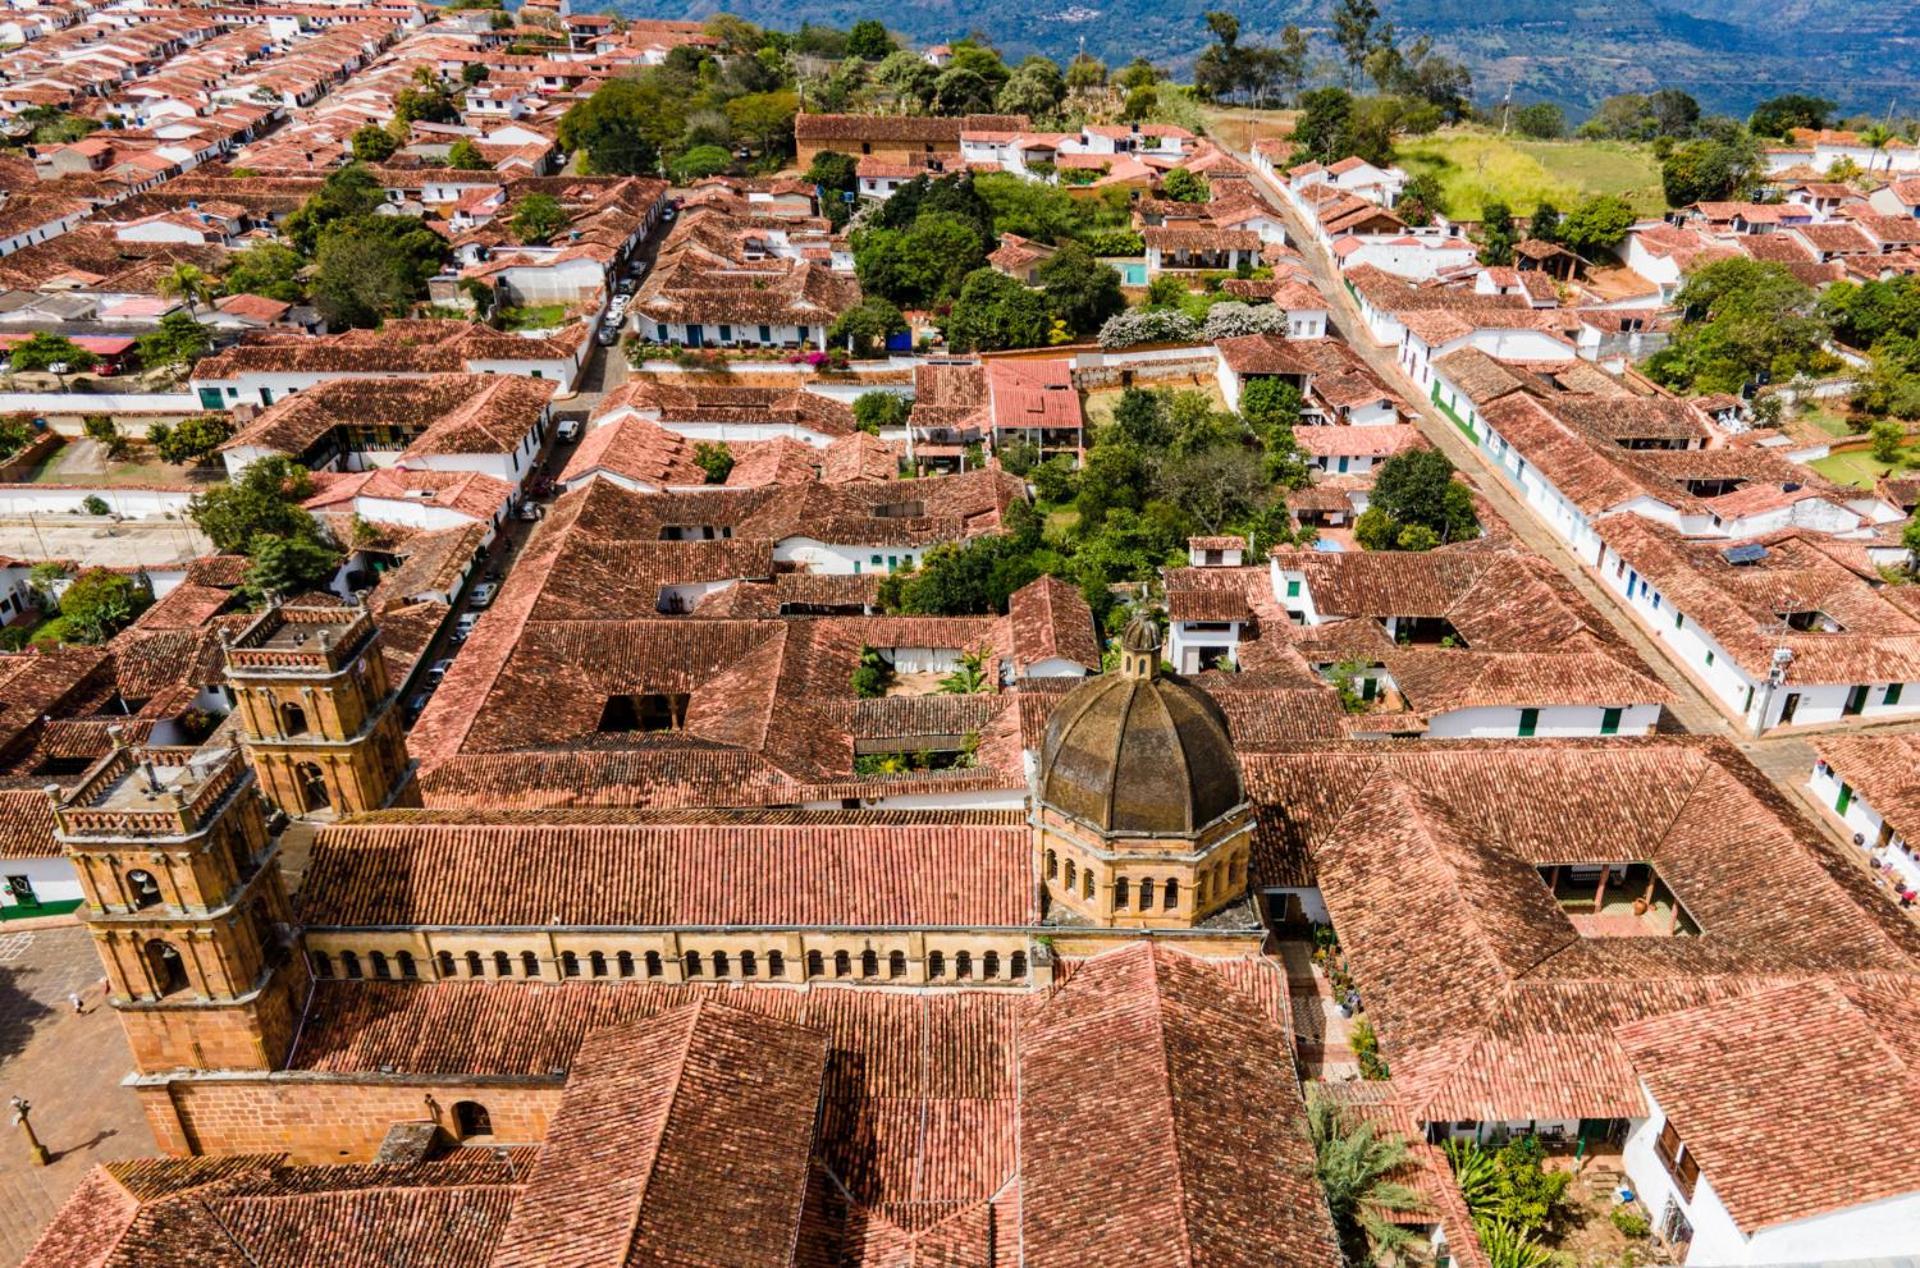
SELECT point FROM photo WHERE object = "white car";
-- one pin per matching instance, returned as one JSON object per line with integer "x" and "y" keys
{"x": 483, "y": 595}
{"x": 464, "y": 626}
{"x": 568, "y": 431}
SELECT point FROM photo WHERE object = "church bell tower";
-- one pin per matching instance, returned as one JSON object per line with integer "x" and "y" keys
{"x": 320, "y": 718}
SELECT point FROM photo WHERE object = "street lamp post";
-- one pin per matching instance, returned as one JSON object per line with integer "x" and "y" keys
{"x": 35, "y": 1150}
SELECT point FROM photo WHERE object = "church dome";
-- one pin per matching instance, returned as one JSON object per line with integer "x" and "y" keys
{"x": 1139, "y": 753}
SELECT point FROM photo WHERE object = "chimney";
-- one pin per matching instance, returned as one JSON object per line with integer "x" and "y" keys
{"x": 152, "y": 776}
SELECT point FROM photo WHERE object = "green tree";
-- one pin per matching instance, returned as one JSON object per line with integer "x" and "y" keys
{"x": 1323, "y": 131}
{"x": 537, "y": 218}
{"x": 427, "y": 102}
{"x": 1544, "y": 224}
{"x": 1709, "y": 169}
{"x": 1357, "y": 33}
{"x": 1887, "y": 437}
{"x": 465, "y": 156}
{"x": 52, "y": 354}
{"x": 1421, "y": 200}
{"x": 969, "y": 677}
{"x": 265, "y": 500}
{"x": 187, "y": 283}
{"x": 374, "y": 267}
{"x": 374, "y": 144}
{"x": 876, "y": 411}
{"x": 960, "y": 91}
{"x": 348, "y": 193}
{"x": 866, "y": 325}
{"x": 922, "y": 264}
{"x": 287, "y": 566}
{"x": 1085, "y": 73}
{"x": 1541, "y": 120}
{"x": 1140, "y": 105}
{"x": 1355, "y": 1169}
{"x": 190, "y": 440}
{"x": 1910, "y": 538}
{"x": 99, "y": 604}
{"x": 474, "y": 73}
{"x": 1497, "y": 234}
{"x": 265, "y": 268}
{"x": 993, "y": 312}
{"x": 1743, "y": 319}
{"x": 699, "y": 163}
{"x": 909, "y": 78}
{"x": 1216, "y": 485}
{"x": 1418, "y": 488}
{"x": 1034, "y": 90}
{"x": 765, "y": 119}
{"x": 714, "y": 459}
{"x": 1269, "y": 402}
{"x": 1183, "y": 186}
{"x": 1596, "y": 225}
{"x": 1080, "y": 291}
{"x": 868, "y": 39}
{"x": 622, "y": 127}
{"x": 178, "y": 340}
{"x": 1779, "y": 116}
{"x": 1136, "y": 74}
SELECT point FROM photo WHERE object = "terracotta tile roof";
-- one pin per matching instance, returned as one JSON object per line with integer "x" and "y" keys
{"x": 1795, "y": 1101}
{"x": 1489, "y": 1003}
{"x": 410, "y": 347}
{"x": 1883, "y": 769}
{"x": 1742, "y": 605}
{"x": 1050, "y": 618}
{"x": 912, "y": 870}
{"x": 239, "y": 1211}
{"x": 634, "y": 449}
{"x": 681, "y": 1139}
{"x": 1380, "y": 441}
{"x": 670, "y": 403}
{"x": 1123, "y": 1154}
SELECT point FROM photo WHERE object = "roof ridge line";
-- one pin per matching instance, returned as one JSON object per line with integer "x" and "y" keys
{"x": 1166, "y": 1083}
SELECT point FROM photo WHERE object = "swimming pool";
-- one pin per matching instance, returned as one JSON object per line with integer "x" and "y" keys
{"x": 1133, "y": 273}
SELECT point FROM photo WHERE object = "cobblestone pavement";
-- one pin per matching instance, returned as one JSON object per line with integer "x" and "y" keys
{"x": 70, "y": 1069}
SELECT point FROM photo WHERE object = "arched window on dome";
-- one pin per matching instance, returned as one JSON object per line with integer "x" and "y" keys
{"x": 1053, "y": 864}
{"x": 1172, "y": 898}
{"x": 624, "y": 961}
{"x": 721, "y": 967}
{"x": 445, "y": 961}
{"x": 1146, "y": 893}
{"x": 869, "y": 963}
{"x": 693, "y": 965}
{"x": 896, "y": 964}
{"x": 936, "y": 965}
{"x": 816, "y": 967}
{"x": 1017, "y": 966}
{"x": 597, "y": 963}
{"x": 473, "y": 964}
{"x": 377, "y": 961}
{"x": 569, "y": 964}
{"x": 1070, "y": 875}
{"x": 1086, "y": 883}
{"x": 776, "y": 964}
{"x": 990, "y": 965}
{"x": 529, "y": 964}
{"x": 963, "y": 964}
{"x": 1122, "y": 892}
{"x": 408, "y": 970}
{"x": 502, "y": 964}
{"x": 842, "y": 964}
{"x": 749, "y": 964}
{"x": 654, "y": 967}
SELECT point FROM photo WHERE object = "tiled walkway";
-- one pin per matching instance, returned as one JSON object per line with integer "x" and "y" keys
{"x": 70, "y": 1069}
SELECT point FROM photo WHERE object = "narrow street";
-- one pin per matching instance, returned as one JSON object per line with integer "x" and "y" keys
{"x": 1787, "y": 760}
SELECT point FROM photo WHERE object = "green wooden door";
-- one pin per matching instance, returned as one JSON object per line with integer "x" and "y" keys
{"x": 1529, "y": 722}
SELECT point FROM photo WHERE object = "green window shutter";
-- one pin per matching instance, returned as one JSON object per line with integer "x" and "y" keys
{"x": 1709, "y": 660}
{"x": 1679, "y": 619}
{"x": 1846, "y": 799}
{"x": 1529, "y": 722}
{"x": 1893, "y": 693}
{"x": 1610, "y": 722}
{"x": 1368, "y": 688}
{"x": 1748, "y": 706}
{"x": 1293, "y": 589}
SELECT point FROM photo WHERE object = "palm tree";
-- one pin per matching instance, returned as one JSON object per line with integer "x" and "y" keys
{"x": 186, "y": 282}
{"x": 1876, "y": 136}
{"x": 969, "y": 678}
{"x": 1353, "y": 1166}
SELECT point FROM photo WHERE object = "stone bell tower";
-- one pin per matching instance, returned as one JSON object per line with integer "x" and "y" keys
{"x": 186, "y": 906}
{"x": 1140, "y": 818}
{"x": 320, "y": 719}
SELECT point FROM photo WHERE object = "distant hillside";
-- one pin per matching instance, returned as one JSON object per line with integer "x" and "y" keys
{"x": 1729, "y": 53}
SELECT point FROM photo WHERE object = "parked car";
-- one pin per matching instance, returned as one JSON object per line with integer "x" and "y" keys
{"x": 529, "y": 511}
{"x": 464, "y": 626}
{"x": 482, "y": 595}
{"x": 438, "y": 670}
{"x": 418, "y": 705}
{"x": 568, "y": 431}
{"x": 609, "y": 336}
{"x": 627, "y": 284}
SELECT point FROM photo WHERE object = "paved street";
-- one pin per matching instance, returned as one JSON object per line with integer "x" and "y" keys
{"x": 70, "y": 1069}
{"x": 98, "y": 540}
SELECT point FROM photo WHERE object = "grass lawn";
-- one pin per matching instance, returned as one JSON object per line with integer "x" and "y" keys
{"x": 1476, "y": 167}
{"x": 1238, "y": 129}
{"x": 533, "y": 317}
{"x": 1859, "y": 467}
{"x": 1832, "y": 424}
{"x": 85, "y": 462}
